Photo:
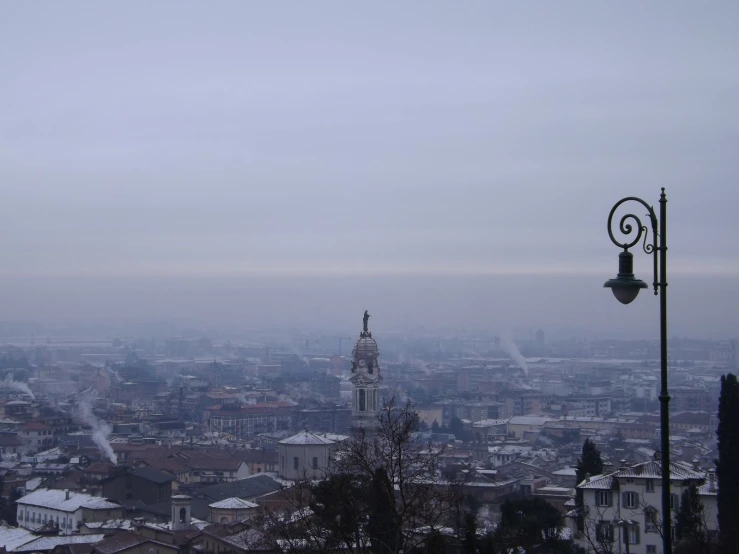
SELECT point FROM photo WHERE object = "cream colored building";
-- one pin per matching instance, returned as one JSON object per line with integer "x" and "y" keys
{"x": 305, "y": 455}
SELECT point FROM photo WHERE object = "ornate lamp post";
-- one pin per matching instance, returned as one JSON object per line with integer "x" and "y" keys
{"x": 625, "y": 288}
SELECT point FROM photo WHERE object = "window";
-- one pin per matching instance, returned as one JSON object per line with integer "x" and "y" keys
{"x": 362, "y": 400}
{"x": 183, "y": 515}
{"x": 651, "y": 549}
{"x": 315, "y": 462}
{"x": 651, "y": 517}
{"x": 296, "y": 463}
{"x": 632, "y": 534}
{"x": 630, "y": 500}
{"x": 603, "y": 498}
{"x": 604, "y": 532}
{"x": 674, "y": 502}
{"x": 650, "y": 485}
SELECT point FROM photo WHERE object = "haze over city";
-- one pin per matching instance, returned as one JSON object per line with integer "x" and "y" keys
{"x": 369, "y": 277}
{"x": 449, "y": 164}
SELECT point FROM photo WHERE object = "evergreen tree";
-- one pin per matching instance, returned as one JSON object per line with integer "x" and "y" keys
{"x": 382, "y": 526}
{"x": 690, "y": 522}
{"x": 529, "y": 523}
{"x": 469, "y": 540}
{"x": 456, "y": 427}
{"x": 727, "y": 464}
{"x": 590, "y": 463}
{"x": 435, "y": 543}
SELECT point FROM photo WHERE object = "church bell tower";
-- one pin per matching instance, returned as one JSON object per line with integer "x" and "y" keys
{"x": 365, "y": 379}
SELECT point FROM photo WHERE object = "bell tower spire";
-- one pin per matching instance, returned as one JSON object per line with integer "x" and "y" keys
{"x": 365, "y": 379}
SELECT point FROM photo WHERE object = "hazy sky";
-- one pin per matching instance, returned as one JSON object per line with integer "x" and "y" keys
{"x": 152, "y": 153}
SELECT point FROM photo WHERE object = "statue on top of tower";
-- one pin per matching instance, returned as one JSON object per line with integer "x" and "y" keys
{"x": 365, "y": 321}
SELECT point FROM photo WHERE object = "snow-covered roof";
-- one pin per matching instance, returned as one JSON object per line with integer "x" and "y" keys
{"x": 57, "y": 500}
{"x": 233, "y": 504}
{"x": 125, "y": 524}
{"x": 13, "y": 537}
{"x": 45, "y": 544}
{"x": 509, "y": 449}
{"x": 566, "y": 472}
{"x": 33, "y": 484}
{"x": 489, "y": 423}
{"x": 653, "y": 470}
{"x": 529, "y": 420}
{"x": 646, "y": 470}
{"x": 597, "y": 482}
{"x": 306, "y": 438}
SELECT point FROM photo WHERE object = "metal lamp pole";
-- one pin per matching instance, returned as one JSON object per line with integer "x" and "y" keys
{"x": 625, "y": 288}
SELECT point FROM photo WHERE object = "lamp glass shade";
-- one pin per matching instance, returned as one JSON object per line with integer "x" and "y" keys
{"x": 625, "y": 289}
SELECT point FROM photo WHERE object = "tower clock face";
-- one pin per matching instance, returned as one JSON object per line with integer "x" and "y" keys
{"x": 362, "y": 363}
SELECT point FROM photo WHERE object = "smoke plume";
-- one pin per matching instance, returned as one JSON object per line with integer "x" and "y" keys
{"x": 114, "y": 373}
{"x": 100, "y": 429}
{"x": 19, "y": 386}
{"x": 512, "y": 350}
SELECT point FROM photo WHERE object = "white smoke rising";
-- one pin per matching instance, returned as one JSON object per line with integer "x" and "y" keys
{"x": 114, "y": 373}
{"x": 100, "y": 429}
{"x": 512, "y": 350}
{"x": 19, "y": 386}
{"x": 420, "y": 364}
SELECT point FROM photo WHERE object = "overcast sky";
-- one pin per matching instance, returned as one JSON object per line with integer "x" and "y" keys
{"x": 144, "y": 144}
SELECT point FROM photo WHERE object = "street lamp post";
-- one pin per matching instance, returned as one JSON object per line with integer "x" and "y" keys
{"x": 625, "y": 288}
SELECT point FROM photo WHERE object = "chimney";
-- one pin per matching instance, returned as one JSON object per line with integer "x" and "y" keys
{"x": 587, "y": 478}
{"x": 622, "y": 464}
{"x": 712, "y": 480}
{"x": 696, "y": 464}
{"x": 66, "y": 493}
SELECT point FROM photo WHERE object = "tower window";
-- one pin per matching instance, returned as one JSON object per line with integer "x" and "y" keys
{"x": 315, "y": 462}
{"x": 362, "y": 400}
{"x": 296, "y": 463}
{"x": 183, "y": 515}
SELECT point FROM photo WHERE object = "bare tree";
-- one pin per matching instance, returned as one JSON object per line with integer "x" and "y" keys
{"x": 382, "y": 489}
{"x": 404, "y": 474}
{"x": 599, "y": 533}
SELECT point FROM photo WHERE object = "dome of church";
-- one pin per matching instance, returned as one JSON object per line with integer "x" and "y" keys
{"x": 366, "y": 348}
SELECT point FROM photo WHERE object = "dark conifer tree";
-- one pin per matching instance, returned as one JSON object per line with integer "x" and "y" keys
{"x": 469, "y": 540}
{"x": 690, "y": 520}
{"x": 382, "y": 526}
{"x": 590, "y": 463}
{"x": 727, "y": 465}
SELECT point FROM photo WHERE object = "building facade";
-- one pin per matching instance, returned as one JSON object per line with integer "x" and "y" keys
{"x": 623, "y": 509}
{"x": 64, "y": 510}
{"x": 305, "y": 455}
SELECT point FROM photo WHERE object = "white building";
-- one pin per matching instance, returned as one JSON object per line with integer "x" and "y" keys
{"x": 625, "y": 507}
{"x": 231, "y": 510}
{"x": 305, "y": 455}
{"x": 64, "y": 509}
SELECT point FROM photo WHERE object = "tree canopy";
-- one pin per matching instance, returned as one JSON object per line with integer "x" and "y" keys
{"x": 590, "y": 463}
{"x": 727, "y": 464}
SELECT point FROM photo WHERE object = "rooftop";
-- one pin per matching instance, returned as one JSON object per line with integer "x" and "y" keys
{"x": 645, "y": 470}
{"x": 42, "y": 544}
{"x": 233, "y": 503}
{"x": 306, "y": 438}
{"x": 57, "y": 500}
